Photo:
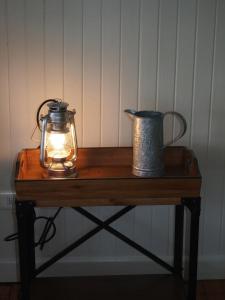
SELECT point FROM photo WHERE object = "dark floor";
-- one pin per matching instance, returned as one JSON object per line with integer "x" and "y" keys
{"x": 109, "y": 288}
{"x": 211, "y": 290}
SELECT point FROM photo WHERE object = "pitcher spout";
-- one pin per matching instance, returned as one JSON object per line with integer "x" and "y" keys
{"x": 131, "y": 112}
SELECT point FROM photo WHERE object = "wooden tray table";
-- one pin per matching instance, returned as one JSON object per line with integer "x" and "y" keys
{"x": 104, "y": 178}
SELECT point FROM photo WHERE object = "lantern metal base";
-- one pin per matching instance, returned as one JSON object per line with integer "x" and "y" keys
{"x": 62, "y": 173}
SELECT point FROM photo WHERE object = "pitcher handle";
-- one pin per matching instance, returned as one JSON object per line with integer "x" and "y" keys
{"x": 183, "y": 130}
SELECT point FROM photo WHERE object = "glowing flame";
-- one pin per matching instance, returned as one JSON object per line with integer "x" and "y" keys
{"x": 57, "y": 145}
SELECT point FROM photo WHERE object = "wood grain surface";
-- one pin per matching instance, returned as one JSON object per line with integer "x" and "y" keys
{"x": 105, "y": 178}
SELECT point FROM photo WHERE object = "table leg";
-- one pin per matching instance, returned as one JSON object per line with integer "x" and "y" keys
{"x": 25, "y": 223}
{"x": 178, "y": 239}
{"x": 193, "y": 205}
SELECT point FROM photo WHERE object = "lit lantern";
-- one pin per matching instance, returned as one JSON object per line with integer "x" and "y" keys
{"x": 58, "y": 150}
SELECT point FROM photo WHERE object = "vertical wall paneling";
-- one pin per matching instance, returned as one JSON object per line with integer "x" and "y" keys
{"x": 19, "y": 108}
{"x": 54, "y": 85}
{"x": 92, "y": 51}
{"x": 171, "y": 228}
{"x": 203, "y": 77}
{"x": 167, "y": 59}
{"x": 5, "y": 160}
{"x": 34, "y": 30}
{"x": 185, "y": 54}
{"x": 165, "y": 102}
{"x": 126, "y": 226}
{"x": 129, "y": 76}
{"x": 185, "y": 64}
{"x": 73, "y": 60}
{"x": 92, "y": 246}
{"x": 149, "y": 13}
{"x": 53, "y": 47}
{"x": 129, "y": 66}
{"x": 107, "y": 240}
{"x": 110, "y": 72}
{"x": 103, "y": 56}
{"x": 148, "y": 54}
{"x": 143, "y": 219}
{"x": 110, "y": 96}
{"x": 160, "y": 229}
{"x": 7, "y": 250}
{"x": 202, "y": 98}
{"x": 216, "y": 154}
{"x": 75, "y": 224}
{"x": 91, "y": 72}
{"x": 219, "y": 85}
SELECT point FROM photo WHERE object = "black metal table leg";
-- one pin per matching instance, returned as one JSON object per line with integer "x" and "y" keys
{"x": 193, "y": 205}
{"x": 178, "y": 239}
{"x": 25, "y": 222}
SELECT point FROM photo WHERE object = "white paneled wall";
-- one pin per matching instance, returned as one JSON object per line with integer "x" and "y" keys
{"x": 103, "y": 56}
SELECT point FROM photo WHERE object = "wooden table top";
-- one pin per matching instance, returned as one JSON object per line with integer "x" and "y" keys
{"x": 105, "y": 178}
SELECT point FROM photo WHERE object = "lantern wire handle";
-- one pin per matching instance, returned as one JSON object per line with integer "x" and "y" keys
{"x": 38, "y": 118}
{"x": 39, "y": 109}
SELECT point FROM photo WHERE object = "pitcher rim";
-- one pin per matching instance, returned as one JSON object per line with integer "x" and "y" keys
{"x": 148, "y": 114}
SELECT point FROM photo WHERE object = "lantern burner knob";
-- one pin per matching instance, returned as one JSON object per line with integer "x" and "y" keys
{"x": 58, "y": 106}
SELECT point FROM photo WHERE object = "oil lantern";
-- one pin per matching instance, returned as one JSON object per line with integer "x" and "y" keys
{"x": 58, "y": 149}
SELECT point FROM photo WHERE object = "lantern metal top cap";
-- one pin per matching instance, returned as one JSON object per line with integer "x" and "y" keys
{"x": 58, "y": 106}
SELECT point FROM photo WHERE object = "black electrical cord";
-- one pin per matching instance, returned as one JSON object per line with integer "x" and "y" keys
{"x": 49, "y": 224}
{"x": 11, "y": 237}
{"x": 44, "y": 237}
{"x": 49, "y": 220}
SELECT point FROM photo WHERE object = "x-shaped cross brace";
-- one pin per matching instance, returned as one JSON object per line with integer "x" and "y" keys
{"x": 104, "y": 225}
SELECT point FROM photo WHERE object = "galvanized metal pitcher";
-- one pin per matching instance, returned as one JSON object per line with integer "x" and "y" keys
{"x": 148, "y": 141}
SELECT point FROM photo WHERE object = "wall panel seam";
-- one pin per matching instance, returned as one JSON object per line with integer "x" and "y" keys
{"x": 157, "y": 63}
{"x": 194, "y": 73}
{"x": 44, "y": 47}
{"x": 176, "y": 62}
{"x": 63, "y": 49}
{"x": 120, "y": 73}
{"x": 139, "y": 56}
{"x": 212, "y": 80}
{"x": 222, "y": 215}
{"x": 26, "y": 55}
{"x": 8, "y": 78}
{"x": 82, "y": 88}
{"x": 101, "y": 73}
{"x": 174, "y": 105}
{"x": 210, "y": 112}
